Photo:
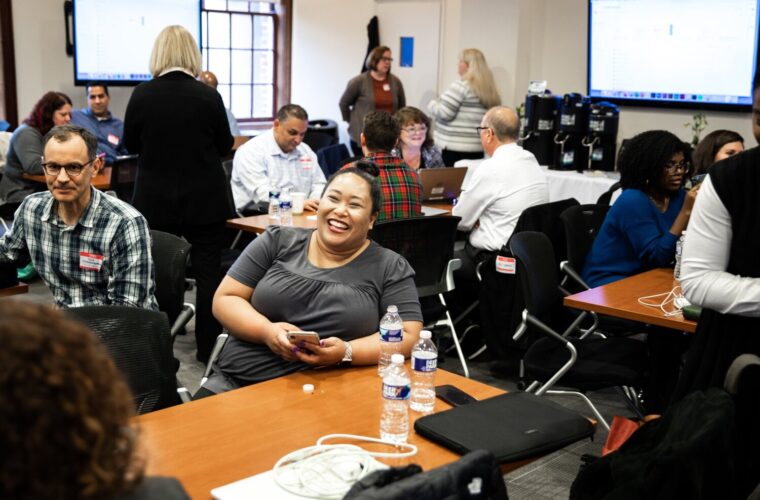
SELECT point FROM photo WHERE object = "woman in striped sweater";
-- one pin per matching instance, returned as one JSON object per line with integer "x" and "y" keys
{"x": 460, "y": 109}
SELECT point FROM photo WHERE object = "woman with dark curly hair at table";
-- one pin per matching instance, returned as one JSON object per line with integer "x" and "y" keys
{"x": 642, "y": 227}
{"x": 65, "y": 411}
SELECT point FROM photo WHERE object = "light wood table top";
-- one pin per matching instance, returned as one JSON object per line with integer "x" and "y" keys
{"x": 258, "y": 223}
{"x": 224, "y": 438}
{"x": 620, "y": 299}
{"x": 101, "y": 181}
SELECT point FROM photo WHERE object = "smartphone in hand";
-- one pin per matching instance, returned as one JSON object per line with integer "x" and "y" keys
{"x": 297, "y": 337}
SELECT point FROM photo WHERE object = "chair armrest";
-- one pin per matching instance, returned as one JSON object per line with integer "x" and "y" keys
{"x": 566, "y": 268}
{"x": 188, "y": 311}
{"x": 452, "y": 266}
{"x": 218, "y": 346}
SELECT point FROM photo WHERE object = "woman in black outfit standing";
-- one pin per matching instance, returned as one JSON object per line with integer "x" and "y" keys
{"x": 179, "y": 128}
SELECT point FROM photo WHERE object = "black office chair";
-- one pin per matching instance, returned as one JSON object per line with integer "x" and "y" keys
{"x": 123, "y": 175}
{"x": 427, "y": 243}
{"x": 170, "y": 256}
{"x": 606, "y": 197}
{"x": 501, "y": 300}
{"x": 331, "y": 158}
{"x": 7, "y": 212}
{"x": 582, "y": 224}
{"x": 140, "y": 343}
{"x": 583, "y": 363}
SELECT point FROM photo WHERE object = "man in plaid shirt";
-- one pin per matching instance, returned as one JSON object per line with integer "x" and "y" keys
{"x": 89, "y": 248}
{"x": 402, "y": 192}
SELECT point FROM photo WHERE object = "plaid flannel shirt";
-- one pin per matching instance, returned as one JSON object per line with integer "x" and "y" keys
{"x": 402, "y": 192}
{"x": 103, "y": 259}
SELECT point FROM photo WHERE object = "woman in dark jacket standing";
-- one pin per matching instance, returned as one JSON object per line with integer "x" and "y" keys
{"x": 179, "y": 128}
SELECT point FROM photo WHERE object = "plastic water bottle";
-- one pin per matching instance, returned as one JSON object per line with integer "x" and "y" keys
{"x": 679, "y": 251}
{"x": 394, "y": 421}
{"x": 391, "y": 332}
{"x": 424, "y": 364}
{"x": 286, "y": 208}
{"x": 274, "y": 203}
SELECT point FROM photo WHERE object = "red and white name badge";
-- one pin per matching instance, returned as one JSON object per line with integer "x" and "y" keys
{"x": 90, "y": 261}
{"x": 114, "y": 139}
{"x": 386, "y": 87}
{"x": 305, "y": 163}
{"x": 506, "y": 265}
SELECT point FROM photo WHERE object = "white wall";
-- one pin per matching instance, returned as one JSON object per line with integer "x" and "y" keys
{"x": 522, "y": 40}
{"x": 41, "y": 60}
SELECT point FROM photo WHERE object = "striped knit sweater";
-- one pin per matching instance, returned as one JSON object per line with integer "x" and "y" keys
{"x": 457, "y": 112}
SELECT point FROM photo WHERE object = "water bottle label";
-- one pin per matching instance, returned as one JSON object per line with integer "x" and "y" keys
{"x": 424, "y": 365}
{"x": 397, "y": 392}
{"x": 390, "y": 335}
{"x": 286, "y": 204}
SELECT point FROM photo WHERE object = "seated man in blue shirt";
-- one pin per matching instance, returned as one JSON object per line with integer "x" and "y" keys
{"x": 100, "y": 122}
{"x": 88, "y": 247}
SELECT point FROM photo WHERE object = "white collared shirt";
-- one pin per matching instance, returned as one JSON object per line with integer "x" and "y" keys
{"x": 498, "y": 192}
{"x": 260, "y": 164}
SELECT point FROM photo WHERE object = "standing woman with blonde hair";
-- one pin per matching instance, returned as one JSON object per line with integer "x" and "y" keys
{"x": 179, "y": 127}
{"x": 459, "y": 111}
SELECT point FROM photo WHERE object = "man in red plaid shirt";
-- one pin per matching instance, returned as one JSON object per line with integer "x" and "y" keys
{"x": 402, "y": 191}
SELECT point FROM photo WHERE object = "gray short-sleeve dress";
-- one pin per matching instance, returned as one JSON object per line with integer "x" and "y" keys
{"x": 345, "y": 302}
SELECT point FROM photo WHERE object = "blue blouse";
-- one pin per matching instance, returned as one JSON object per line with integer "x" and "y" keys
{"x": 634, "y": 237}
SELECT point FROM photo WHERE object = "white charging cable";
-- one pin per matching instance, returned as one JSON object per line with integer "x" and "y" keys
{"x": 674, "y": 297}
{"x": 329, "y": 470}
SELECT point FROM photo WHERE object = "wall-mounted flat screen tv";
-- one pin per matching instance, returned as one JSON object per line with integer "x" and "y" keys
{"x": 113, "y": 38}
{"x": 697, "y": 54}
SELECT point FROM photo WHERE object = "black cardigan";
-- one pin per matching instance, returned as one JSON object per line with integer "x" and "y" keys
{"x": 179, "y": 128}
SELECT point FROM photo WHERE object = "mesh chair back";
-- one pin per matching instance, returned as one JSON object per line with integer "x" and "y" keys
{"x": 537, "y": 271}
{"x": 427, "y": 243}
{"x": 123, "y": 175}
{"x": 140, "y": 344}
{"x": 170, "y": 255}
{"x": 582, "y": 224}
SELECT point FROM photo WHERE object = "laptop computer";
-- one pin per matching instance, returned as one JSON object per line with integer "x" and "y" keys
{"x": 439, "y": 184}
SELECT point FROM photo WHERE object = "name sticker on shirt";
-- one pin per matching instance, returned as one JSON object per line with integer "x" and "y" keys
{"x": 90, "y": 261}
{"x": 113, "y": 139}
{"x": 505, "y": 265}
{"x": 386, "y": 87}
{"x": 305, "y": 162}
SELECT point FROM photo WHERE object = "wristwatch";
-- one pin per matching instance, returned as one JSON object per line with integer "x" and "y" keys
{"x": 348, "y": 356}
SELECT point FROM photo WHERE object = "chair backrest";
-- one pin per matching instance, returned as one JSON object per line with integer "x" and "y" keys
{"x": 427, "y": 243}
{"x": 545, "y": 219}
{"x": 140, "y": 344}
{"x": 123, "y": 175}
{"x": 606, "y": 197}
{"x": 170, "y": 255}
{"x": 582, "y": 223}
{"x": 318, "y": 140}
{"x": 537, "y": 272}
{"x": 331, "y": 158}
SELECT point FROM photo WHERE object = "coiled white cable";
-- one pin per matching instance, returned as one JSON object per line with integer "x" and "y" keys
{"x": 329, "y": 470}
{"x": 670, "y": 298}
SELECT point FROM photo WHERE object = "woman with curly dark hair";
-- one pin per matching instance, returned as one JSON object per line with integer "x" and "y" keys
{"x": 65, "y": 414}
{"x": 717, "y": 145}
{"x": 642, "y": 227}
{"x": 25, "y": 150}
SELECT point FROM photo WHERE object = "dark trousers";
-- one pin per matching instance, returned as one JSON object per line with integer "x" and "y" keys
{"x": 205, "y": 258}
{"x": 450, "y": 157}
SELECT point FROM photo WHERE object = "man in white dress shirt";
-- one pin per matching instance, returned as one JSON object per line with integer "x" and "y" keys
{"x": 277, "y": 159}
{"x": 500, "y": 189}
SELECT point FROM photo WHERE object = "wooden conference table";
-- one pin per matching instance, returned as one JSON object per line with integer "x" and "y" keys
{"x": 16, "y": 289}
{"x": 101, "y": 181}
{"x": 620, "y": 299}
{"x": 221, "y": 439}
{"x": 258, "y": 223}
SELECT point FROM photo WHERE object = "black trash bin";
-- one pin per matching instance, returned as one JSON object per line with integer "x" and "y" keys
{"x": 321, "y": 133}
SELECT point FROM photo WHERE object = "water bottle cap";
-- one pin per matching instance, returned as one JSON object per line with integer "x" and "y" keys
{"x": 397, "y": 359}
{"x": 308, "y": 388}
{"x": 426, "y": 334}
{"x": 392, "y": 309}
